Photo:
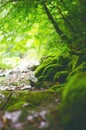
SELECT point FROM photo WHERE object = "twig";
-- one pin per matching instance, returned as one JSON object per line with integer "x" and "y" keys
{"x": 7, "y": 100}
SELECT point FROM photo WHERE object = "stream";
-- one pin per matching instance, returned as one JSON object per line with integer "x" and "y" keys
{"x": 19, "y": 77}
{"x": 22, "y": 106}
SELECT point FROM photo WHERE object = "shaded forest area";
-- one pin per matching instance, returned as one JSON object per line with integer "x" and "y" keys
{"x": 42, "y": 64}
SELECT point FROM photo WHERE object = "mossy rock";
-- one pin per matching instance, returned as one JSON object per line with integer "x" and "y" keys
{"x": 78, "y": 57}
{"x": 44, "y": 84}
{"x": 47, "y": 62}
{"x": 50, "y": 71}
{"x": 40, "y": 78}
{"x": 73, "y": 107}
{"x": 50, "y": 60}
{"x": 39, "y": 70}
{"x": 73, "y": 63}
{"x": 82, "y": 57}
{"x": 61, "y": 76}
{"x": 64, "y": 60}
{"x": 80, "y": 68}
{"x": 50, "y": 66}
{"x": 57, "y": 88}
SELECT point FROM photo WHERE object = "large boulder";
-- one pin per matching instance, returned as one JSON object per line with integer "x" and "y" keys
{"x": 47, "y": 62}
{"x": 73, "y": 106}
{"x": 49, "y": 69}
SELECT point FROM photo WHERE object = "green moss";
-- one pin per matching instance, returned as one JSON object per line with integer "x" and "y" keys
{"x": 82, "y": 57}
{"x": 44, "y": 84}
{"x": 64, "y": 60}
{"x": 73, "y": 63}
{"x": 5, "y": 66}
{"x": 33, "y": 100}
{"x": 50, "y": 71}
{"x": 46, "y": 62}
{"x": 73, "y": 108}
{"x": 40, "y": 78}
{"x": 57, "y": 88}
{"x": 80, "y": 68}
{"x": 39, "y": 70}
{"x": 50, "y": 60}
{"x": 53, "y": 69}
{"x": 61, "y": 76}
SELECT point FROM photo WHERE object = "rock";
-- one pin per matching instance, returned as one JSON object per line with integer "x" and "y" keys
{"x": 73, "y": 106}
{"x": 47, "y": 62}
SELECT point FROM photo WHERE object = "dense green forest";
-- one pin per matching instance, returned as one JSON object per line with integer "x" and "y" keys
{"x": 42, "y": 64}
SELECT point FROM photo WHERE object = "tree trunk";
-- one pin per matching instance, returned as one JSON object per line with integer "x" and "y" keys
{"x": 54, "y": 23}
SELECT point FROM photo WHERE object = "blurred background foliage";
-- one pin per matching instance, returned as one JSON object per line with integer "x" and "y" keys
{"x": 39, "y": 28}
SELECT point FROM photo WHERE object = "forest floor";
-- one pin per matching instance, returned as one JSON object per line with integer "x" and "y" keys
{"x": 23, "y": 106}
